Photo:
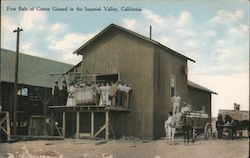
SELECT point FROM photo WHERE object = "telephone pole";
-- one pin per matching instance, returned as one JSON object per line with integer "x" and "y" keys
{"x": 18, "y": 30}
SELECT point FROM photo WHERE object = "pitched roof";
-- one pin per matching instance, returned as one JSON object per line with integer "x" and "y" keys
{"x": 197, "y": 86}
{"x": 236, "y": 115}
{"x": 114, "y": 26}
{"x": 32, "y": 70}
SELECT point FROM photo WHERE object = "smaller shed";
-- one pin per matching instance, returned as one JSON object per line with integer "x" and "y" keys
{"x": 34, "y": 86}
{"x": 200, "y": 97}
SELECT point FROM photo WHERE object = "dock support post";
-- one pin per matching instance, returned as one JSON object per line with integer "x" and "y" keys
{"x": 8, "y": 125}
{"x": 77, "y": 124}
{"x": 63, "y": 124}
{"x": 92, "y": 125}
{"x": 107, "y": 125}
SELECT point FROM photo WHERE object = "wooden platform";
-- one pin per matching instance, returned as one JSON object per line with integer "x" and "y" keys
{"x": 88, "y": 108}
{"x": 92, "y": 109}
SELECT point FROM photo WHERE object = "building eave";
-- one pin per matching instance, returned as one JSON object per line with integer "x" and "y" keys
{"x": 199, "y": 87}
{"x": 80, "y": 50}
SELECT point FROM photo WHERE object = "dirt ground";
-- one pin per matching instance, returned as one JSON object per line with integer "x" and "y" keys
{"x": 71, "y": 148}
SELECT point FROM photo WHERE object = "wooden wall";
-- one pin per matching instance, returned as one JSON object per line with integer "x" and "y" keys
{"x": 147, "y": 68}
{"x": 165, "y": 65}
{"x": 199, "y": 98}
{"x": 132, "y": 58}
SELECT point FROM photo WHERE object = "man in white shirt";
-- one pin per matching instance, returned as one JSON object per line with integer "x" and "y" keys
{"x": 102, "y": 100}
{"x": 176, "y": 100}
{"x": 107, "y": 94}
{"x": 119, "y": 94}
{"x": 184, "y": 109}
{"x": 170, "y": 126}
{"x": 126, "y": 89}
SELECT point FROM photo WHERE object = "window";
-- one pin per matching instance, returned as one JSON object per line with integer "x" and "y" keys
{"x": 172, "y": 85}
{"x": 23, "y": 92}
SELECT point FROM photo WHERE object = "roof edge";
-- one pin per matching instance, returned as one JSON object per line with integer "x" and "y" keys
{"x": 4, "y": 49}
{"x": 197, "y": 86}
{"x": 77, "y": 51}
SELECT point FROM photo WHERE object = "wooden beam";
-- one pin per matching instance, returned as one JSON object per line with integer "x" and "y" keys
{"x": 3, "y": 120}
{"x": 4, "y": 130}
{"x": 52, "y": 124}
{"x": 45, "y": 112}
{"x": 8, "y": 125}
{"x": 77, "y": 125}
{"x": 63, "y": 125}
{"x": 100, "y": 130}
{"x": 7, "y": 130}
{"x": 107, "y": 125}
{"x": 92, "y": 124}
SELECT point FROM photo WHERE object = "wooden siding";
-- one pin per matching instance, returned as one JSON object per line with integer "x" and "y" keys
{"x": 165, "y": 65}
{"x": 199, "y": 98}
{"x": 132, "y": 58}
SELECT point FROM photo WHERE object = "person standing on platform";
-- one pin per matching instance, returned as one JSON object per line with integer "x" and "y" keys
{"x": 71, "y": 95}
{"x": 108, "y": 94}
{"x": 126, "y": 89}
{"x": 123, "y": 97}
{"x": 119, "y": 93}
{"x": 176, "y": 101}
{"x": 56, "y": 94}
{"x": 102, "y": 100}
{"x": 113, "y": 93}
{"x": 95, "y": 90}
{"x": 64, "y": 93}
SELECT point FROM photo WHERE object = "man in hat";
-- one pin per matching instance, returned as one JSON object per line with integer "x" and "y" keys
{"x": 64, "y": 93}
{"x": 184, "y": 109}
{"x": 56, "y": 93}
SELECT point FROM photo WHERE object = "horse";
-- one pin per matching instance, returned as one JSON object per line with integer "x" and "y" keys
{"x": 234, "y": 126}
{"x": 187, "y": 128}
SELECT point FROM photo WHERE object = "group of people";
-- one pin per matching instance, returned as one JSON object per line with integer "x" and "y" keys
{"x": 102, "y": 94}
{"x": 114, "y": 94}
{"x": 60, "y": 94}
{"x": 230, "y": 124}
{"x": 174, "y": 117}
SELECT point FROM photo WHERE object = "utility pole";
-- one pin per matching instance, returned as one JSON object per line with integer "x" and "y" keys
{"x": 18, "y": 30}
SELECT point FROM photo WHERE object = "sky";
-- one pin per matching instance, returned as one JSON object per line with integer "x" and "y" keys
{"x": 213, "y": 33}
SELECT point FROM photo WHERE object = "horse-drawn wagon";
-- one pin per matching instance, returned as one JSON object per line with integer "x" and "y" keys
{"x": 194, "y": 124}
{"x": 234, "y": 124}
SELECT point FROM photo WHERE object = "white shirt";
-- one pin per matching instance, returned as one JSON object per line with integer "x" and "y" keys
{"x": 168, "y": 121}
{"x": 120, "y": 87}
{"x": 184, "y": 109}
{"x": 176, "y": 99}
{"x": 126, "y": 89}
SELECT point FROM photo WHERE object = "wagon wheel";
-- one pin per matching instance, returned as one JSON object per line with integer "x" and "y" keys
{"x": 208, "y": 132}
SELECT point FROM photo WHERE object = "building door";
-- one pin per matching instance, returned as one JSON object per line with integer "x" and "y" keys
{"x": 107, "y": 78}
{"x": 172, "y": 85}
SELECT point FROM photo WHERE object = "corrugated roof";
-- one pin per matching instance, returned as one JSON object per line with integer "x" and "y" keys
{"x": 33, "y": 70}
{"x": 195, "y": 85}
{"x": 79, "y": 50}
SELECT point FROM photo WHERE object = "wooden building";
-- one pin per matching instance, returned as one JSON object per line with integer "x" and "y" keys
{"x": 154, "y": 71}
{"x": 35, "y": 84}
